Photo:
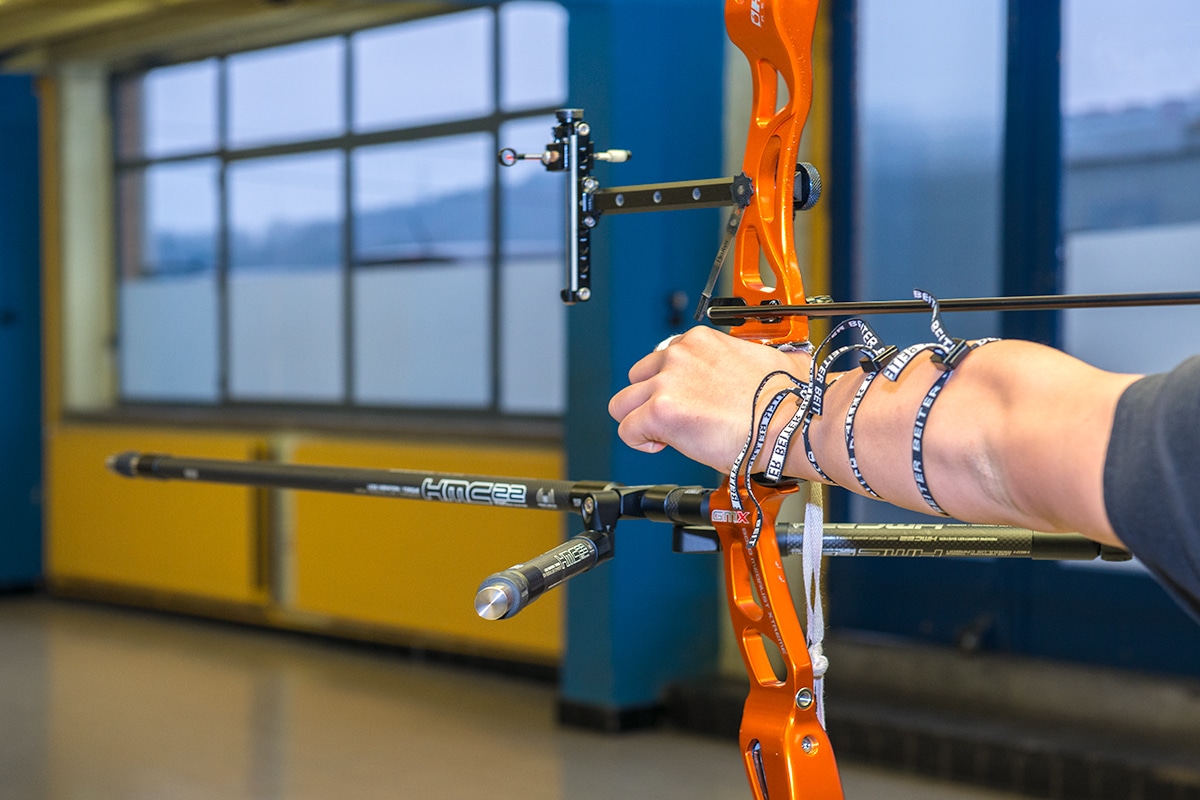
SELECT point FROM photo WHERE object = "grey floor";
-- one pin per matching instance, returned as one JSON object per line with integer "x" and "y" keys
{"x": 98, "y": 702}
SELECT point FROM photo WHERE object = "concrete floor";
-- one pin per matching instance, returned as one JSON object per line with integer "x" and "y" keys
{"x": 100, "y": 703}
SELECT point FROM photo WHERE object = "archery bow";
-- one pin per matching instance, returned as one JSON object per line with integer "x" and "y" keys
{"x": 781, "y": 736}
{"x": 784, "y": 746}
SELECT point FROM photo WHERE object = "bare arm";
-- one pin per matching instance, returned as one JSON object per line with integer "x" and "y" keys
{"x": 1018, "y": 436}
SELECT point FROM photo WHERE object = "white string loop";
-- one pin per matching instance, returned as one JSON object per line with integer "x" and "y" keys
{"x": 814, "y": 535}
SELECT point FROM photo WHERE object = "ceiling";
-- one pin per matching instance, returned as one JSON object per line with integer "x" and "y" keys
{"x": 37, "y": 35}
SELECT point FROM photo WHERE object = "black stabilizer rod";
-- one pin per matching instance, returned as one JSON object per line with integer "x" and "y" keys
{"x": 446, "y": 487}
{"x": 680, "y": 505}
{"x": 938, "y": 540}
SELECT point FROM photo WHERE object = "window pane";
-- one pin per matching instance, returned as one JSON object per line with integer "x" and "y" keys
{"x": 423, "y": 200}
{"x": 421, "y": 335}
{"x": 169, "y": 111}
{"x": 533, "y": 52}
{"x": 169, "y": 339}
{"x": 424, "y": 72}
{"x": 533, "y": 318}
{"x": 931, "y": 78}
{"x": 285, "y": 285}
{"x": 422, "y": 246}
{"x": 931, "y": 110}
{"x": 1131, "y": 175}
{"x": 1125, "y": 55}
{"x": 167, "y": 301}
{"x": 286, "y": 94}
{"x": 169, "y": 218}
{"x": 286, "y": 212}
{"x": 181, "y": 216}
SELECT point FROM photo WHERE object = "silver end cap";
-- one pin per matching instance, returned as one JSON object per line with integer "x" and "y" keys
{"x": 492, "y": 601}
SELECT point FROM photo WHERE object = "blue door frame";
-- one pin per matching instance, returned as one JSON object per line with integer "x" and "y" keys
{"x": 20, "y": 337}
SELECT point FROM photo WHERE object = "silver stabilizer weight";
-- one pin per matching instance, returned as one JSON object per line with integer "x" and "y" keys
{"x": 492, "y": 602}
{"x": 504, "y": 594}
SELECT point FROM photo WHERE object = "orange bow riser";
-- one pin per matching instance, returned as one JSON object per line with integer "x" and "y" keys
{"x": 776, "y": 38}
{"x": 784, "y": 746}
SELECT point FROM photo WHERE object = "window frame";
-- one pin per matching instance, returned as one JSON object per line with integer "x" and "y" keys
{"x": 347, "y": 410}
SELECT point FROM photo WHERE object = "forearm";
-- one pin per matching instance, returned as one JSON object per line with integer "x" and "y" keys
{"x": 1017, "y": 436}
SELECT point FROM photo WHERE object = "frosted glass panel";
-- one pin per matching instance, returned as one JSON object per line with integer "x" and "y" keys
{"x": 286, "y": 94}
{"x": 931, "y": 94}
{"x": 1133, "y": 339}
{"x": 286, "y": 336}
{"x": 421, "y": 335}
{"x": 169, "y": 339}
{"x": 533, "y": 337}
{"x": 533, "y": 318}
{"x": 424, "y": 72}
{"x": 533, "y": 51}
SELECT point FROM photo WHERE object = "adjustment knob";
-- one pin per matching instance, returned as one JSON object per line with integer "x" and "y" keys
{"x": 807, "y": 189}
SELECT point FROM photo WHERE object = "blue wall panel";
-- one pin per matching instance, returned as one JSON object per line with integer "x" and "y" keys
{"x": 649, "y": 77}
{"x": 20, "y": 331}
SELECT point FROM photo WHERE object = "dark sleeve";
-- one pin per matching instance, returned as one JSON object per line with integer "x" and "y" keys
{"x": 1152, "y": 478}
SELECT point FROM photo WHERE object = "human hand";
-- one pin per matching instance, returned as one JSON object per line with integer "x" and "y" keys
{"x": 695, "y": 395}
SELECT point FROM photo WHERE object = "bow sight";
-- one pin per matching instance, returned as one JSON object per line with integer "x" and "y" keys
{"x": 573, "y": 153}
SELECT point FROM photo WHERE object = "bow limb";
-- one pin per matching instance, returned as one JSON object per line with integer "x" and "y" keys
{"x": 784, "y": 746}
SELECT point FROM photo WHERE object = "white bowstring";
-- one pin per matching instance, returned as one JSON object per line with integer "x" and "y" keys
{"x": 814, "y": 535}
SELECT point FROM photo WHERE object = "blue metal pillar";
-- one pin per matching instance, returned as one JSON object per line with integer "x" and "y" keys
{"x": 648, "y": 75}
{"x": 20, "y": 336}
{"x": 1032, "y": 164}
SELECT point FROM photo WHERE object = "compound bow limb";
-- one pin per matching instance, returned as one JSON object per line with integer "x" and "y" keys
{"x": 784, "y": 745}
